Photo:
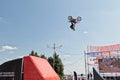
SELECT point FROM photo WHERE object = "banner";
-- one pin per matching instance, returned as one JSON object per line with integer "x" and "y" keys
{"x": 103, "y": 48}
{"x": 109, "y": 64}
{"x": 93, "y": 54}
{"x": 92, "y": 58}
{"x": 105, "y": 58}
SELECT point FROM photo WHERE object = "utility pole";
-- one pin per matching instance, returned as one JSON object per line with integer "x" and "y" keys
{"x": 54, "y": 47}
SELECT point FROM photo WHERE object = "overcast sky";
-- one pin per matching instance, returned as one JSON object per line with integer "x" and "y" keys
{"x": 27, "y": 25}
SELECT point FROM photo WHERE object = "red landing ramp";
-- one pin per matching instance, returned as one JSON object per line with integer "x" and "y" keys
{"x": 38, "y": 69}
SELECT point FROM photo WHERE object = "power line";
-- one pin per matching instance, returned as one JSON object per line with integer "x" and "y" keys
{"x": 54, "y": 47}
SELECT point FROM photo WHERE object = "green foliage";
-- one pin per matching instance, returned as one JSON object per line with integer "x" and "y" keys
{"x": 51, "y": 61}
{"x": 43, "y": 56}
{"x": 33, "y": 54}
{"x": 58, "y": 66}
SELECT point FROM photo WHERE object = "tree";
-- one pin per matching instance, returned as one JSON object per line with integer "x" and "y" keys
{"x": 43, "y": 56}
{"x": 34, "y": 54}
{"x": 58, "y": 66}
{"x": 50, "y": 60}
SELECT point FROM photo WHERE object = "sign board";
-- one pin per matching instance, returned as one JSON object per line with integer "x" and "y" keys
{"x": 104, "y": 48}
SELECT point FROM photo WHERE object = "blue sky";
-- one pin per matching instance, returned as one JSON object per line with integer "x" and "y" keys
{"x": 27, "y": 25}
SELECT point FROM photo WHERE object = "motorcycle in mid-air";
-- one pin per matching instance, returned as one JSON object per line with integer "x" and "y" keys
{"x": 73, "y": 21}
